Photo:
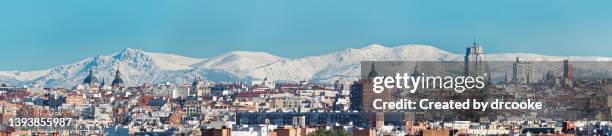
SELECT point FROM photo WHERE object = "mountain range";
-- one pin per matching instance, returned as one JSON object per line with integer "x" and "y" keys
{"x": 140, "y": 67}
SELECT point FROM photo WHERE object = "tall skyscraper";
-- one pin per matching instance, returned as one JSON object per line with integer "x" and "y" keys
{"x": 522, "y": 71}
{"x": 568, "y": 74}
{"x": 475, "y": 61}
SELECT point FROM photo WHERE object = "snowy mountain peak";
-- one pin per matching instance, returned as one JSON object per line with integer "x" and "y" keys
{"x": 240, "y": 60}
{"x": 255, "y": 54}
{"x": 128, "y": 53}
{"x": 420, "y": 48}
{"x": 159, "y": 60}
{"x": 127, "y": 50}
{"x": 375, "y": 46}
{"x": 139, "y": 66}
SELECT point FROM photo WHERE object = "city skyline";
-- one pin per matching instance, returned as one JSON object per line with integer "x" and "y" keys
{"x": 306, "y": 68}
{"x": 140, "y": 67}
{"x": 64, "y": 32}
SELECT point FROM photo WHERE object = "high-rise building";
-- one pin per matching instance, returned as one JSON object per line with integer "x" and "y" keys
{"x": 568, "y": 74}
{"x": 362, "y": 94}
{"x": 356, "y": 97}
{"x": 522, "y": 71}
{"x": 475, "y": 65}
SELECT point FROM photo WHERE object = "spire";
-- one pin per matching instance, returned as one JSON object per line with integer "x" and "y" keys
{"x": 103, "y": 81}
{"x": 91, "y": 78}
{"x": 196, "y": 81}
{"x": 489, "y": 79}
{"x": 118, "y": 81}
{"x": 517, "y": 59}
{"x": 506, "y": 78}
{"x": 416, "y": 70}
{"x": 373, "y": 72}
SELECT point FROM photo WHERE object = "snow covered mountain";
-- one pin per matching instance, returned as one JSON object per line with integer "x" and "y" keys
{"x": 140, "y": 67}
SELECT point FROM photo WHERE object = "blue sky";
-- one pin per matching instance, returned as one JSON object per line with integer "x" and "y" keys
{"x": 43, "y": 34}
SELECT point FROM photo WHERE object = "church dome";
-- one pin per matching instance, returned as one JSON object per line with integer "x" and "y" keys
{"x": 118, "y": 81}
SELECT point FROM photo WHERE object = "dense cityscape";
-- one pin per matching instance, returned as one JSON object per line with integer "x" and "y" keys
{"x": 572, "y": 106}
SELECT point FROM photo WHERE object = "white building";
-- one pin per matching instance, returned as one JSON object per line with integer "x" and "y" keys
{"x": 475, "y": 61}
{"x": 522, "y": 71}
